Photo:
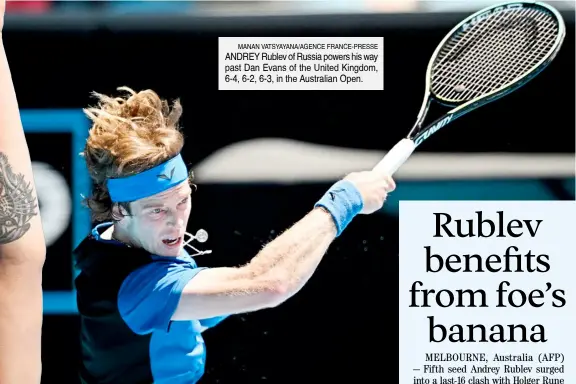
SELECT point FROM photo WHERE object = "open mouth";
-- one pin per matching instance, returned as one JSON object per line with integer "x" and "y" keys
{"x": 172, "y": 241}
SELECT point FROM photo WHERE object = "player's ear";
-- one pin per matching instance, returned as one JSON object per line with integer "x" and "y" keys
{"x": 119, "y": 212}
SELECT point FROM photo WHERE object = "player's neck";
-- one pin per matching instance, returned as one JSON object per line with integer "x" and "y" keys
{"x": 116, "y": 233}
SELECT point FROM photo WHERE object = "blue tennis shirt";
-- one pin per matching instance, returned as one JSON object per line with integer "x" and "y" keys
{"x": 126, "y": 298}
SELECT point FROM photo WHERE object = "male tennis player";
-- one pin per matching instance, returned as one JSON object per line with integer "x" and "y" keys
{"x": 22, "y": 246}
{"x": 143, "y": 301}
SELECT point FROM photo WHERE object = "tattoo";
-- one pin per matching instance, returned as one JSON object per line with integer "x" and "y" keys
{"x": 17, "y": 203}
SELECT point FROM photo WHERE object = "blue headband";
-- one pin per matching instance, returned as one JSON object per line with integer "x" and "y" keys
{"x": 150, "y": 182}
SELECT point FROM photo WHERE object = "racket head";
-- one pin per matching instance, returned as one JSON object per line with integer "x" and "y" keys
{"x": 494, "y": 52}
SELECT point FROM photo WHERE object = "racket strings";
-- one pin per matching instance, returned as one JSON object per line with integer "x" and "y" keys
{"x": 498, "y": 62}
{"x": 493, "y": 53}
{"x": 493, "y": 57}
{"x": 494, "y": 61}
{"x": 492, "y": 68}
{"x": 447, "y": 66}
{"x": 510, "y": 64}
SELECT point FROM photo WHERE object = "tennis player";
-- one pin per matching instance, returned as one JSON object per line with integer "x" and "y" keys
{"x": 22, "y": 245}
{"x": 143, "y": 301}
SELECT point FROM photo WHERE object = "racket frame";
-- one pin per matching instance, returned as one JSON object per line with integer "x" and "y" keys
{"x": 418, "y": 135}
{"x": 405, "y": 147}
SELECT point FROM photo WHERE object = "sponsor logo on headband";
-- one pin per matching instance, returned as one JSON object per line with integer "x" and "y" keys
{"x": 166, "y": 177}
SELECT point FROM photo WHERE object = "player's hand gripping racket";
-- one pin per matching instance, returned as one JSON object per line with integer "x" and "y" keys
{"x": 488, "y": 55}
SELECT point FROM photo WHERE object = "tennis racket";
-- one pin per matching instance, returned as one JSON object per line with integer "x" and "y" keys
{"x": 489, "y": 54}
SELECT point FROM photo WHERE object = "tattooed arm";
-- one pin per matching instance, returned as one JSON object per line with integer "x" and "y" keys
{"x": 22, "y": 246}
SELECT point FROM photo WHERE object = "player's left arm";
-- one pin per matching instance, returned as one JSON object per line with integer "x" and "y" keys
{"x": 22, "y": 245}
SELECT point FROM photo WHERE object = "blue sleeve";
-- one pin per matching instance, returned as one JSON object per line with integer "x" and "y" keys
{"x": 149, "y": 296}
{"x": 212, "y": 322}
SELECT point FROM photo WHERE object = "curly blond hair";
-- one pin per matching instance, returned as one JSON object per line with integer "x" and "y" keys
{"x": 128, "y": 136}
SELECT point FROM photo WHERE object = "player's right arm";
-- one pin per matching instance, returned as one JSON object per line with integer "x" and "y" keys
{"x": 284, "y": 265}
{"x": 276, "y": 273}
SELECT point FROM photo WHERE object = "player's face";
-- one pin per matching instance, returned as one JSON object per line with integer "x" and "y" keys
{"x": 158, "y": 222}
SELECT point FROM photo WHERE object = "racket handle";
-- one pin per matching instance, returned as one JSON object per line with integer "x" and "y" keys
{"x": 395, "y": 157}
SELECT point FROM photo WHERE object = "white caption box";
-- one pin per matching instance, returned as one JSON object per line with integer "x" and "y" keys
{"x": 493, "y": 341}
{"x": 301, "y": 63}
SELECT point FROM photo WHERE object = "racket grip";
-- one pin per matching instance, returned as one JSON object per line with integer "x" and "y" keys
{"x": 395, "y": 157}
